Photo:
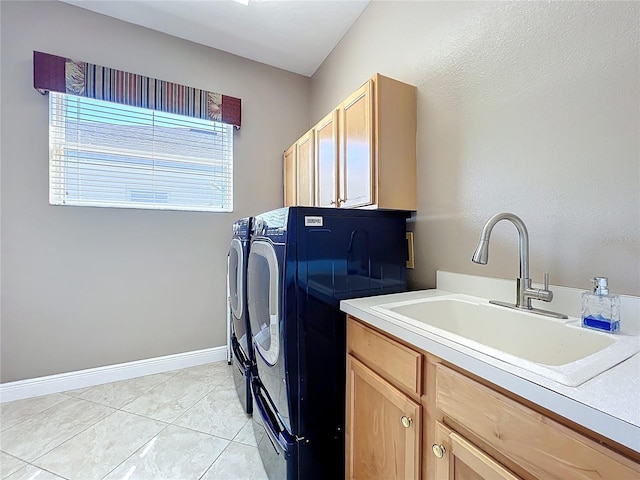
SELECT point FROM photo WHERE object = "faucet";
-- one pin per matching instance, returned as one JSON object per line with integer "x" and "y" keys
{"x": 524, "y": 292}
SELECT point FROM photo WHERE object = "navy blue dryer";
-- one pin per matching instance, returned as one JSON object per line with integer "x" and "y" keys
{"x": 242, "y": 349}
{"x": 302, "y": 262}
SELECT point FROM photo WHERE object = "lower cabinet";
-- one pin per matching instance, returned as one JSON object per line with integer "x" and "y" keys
{"x": 383, "y": 430}
{"x": 410, "y": 415}
{"x": 455, "y": 458}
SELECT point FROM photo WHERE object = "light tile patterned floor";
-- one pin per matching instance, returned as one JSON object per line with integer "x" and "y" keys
{"x": 179, "y": 425}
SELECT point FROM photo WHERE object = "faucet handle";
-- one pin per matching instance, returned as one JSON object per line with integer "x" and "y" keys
{"x": 543, "y": 294}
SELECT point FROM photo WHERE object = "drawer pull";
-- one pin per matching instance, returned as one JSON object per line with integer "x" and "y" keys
{"x": 406, "y": 421}
{"x": 438, "y": 450}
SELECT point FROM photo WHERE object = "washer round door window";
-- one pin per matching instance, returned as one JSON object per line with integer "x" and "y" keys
{"x": 263, "y": 291}
{"x": 236, "y": 263}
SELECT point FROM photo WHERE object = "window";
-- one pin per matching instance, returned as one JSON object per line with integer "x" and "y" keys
{"x": 106, "y": 154}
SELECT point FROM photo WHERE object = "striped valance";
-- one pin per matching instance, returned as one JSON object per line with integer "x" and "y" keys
{"x": 58, "y": 74}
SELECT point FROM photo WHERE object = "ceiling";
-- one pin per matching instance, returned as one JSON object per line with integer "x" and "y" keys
{"x": 295, "y": 35}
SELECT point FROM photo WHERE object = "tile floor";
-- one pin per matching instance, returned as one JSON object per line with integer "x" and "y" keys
{"x": 182, "y": 425}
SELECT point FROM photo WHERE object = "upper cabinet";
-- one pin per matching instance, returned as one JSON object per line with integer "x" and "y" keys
{"x": 326, "y": 134}
{"x": 364, "y": 151}
{"x": 290, "y": 170}
{"x": 357, "y": 165}
{"x": 299, "y": 172}
{"x": 306, "y": 187}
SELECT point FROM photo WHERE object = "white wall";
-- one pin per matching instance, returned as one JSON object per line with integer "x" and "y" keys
{"x": 86, "y": 287}
{"x": 528, "y": 107}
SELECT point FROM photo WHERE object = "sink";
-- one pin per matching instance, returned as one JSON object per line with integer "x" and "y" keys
{"x": 560, "y": 350}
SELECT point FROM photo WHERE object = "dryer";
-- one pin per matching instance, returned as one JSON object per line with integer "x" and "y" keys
{"x": 240, "y": 331}
{"x": 302, "y": 262}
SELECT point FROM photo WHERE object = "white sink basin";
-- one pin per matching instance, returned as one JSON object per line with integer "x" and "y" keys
{"x": 556, "y": 349}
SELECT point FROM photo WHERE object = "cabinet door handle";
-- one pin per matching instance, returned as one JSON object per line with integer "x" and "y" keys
{"x": 332, "y": 202}
{"x": 406, "y": 421}
{"x": 438, "y": 450}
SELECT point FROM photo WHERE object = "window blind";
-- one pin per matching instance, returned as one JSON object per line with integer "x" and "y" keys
{"x": 113, "y": 155}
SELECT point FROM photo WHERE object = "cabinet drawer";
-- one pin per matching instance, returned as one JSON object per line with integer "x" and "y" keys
{"x": 398, "y": 364}
{"x": 540, "y": 445}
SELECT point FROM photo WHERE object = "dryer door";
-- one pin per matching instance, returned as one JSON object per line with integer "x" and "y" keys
{"x": 264, "y": 300}
{"x": 236, "y": 277}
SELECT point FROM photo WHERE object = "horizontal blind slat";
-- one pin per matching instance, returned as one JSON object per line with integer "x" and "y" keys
{"x": 104, "y": 154}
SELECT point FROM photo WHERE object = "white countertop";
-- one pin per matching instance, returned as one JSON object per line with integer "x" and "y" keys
{"x": 608, "y": 404}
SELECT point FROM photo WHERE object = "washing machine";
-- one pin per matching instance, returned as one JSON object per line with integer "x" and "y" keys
{"x": 242, "y": 355}
{"x": 302, "y": 262}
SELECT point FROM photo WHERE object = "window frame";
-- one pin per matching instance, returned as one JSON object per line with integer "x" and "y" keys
{"x": 149, "y": 163}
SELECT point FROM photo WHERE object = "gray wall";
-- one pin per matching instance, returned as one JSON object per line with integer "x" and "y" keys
{"x": 86, "y": 287}
{"x": 524, "y": 107}
{"x": 528, "y": 107}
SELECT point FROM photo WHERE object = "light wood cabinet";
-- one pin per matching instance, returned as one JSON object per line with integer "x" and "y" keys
{"x": 299, "y": 172}
{"x": 357, "y": 165}
{"x": 377, "y": 139}
{"x": 470, "y": 428}
{"x": 290, "y": 169}
{"x": 384, "y": 437}
{"x": 392, "y": 360}
{"x": 537, "y": 443}
{"x": 365, "y": 149}
{"x": 306, "y": 170}
{"x": 458, "y": 459}
{"x": 326, "y": 135}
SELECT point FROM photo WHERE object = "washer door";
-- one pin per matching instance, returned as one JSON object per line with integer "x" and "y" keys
{"x": 263, "y": 289}
{"x": 236, "y": 274}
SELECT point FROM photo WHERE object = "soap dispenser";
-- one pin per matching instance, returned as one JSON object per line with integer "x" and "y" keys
{"x": 600, "y": 310}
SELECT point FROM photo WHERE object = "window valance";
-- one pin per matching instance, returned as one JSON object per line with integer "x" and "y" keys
{"x": 59, "y": 74}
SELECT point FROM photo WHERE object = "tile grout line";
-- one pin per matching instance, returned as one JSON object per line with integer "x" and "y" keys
{"x": 32, "y": 465}
{"x": 17, "y": 458}
{"x": 198, "y": 401}
{"x": 136, "y": 450}
{"x": 71, "y": 397}
{"x": 124, "y": 411}
{"x": 214, "y": 460}
{"x": 49, "y": 471}
{"x": 38, "y": 413}
{"x": 133, "y": 400}
{"x": 73, "y": 436}
{"x": 30, "y": 462}
{"x": 166, "y": 424}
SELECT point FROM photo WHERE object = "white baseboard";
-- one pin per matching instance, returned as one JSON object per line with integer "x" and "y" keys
{"x": 111, "y": 373}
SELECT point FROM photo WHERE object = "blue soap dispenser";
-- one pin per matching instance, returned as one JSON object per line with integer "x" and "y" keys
{"x": 600, "y": 310}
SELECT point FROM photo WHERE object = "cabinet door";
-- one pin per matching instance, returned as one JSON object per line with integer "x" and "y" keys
{"x": 357, "y": 168}
{"x": 306, "y": 170}
{"x": 326, "y": 135}
{"x": 455, "y": 458}
{"x": 290, "y": 177}
{"x": 383, "y": 428}
{"x": 535, "y": 442}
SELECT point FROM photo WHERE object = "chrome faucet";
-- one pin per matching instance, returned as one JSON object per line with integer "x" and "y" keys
{"x": 524, "y": 293}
